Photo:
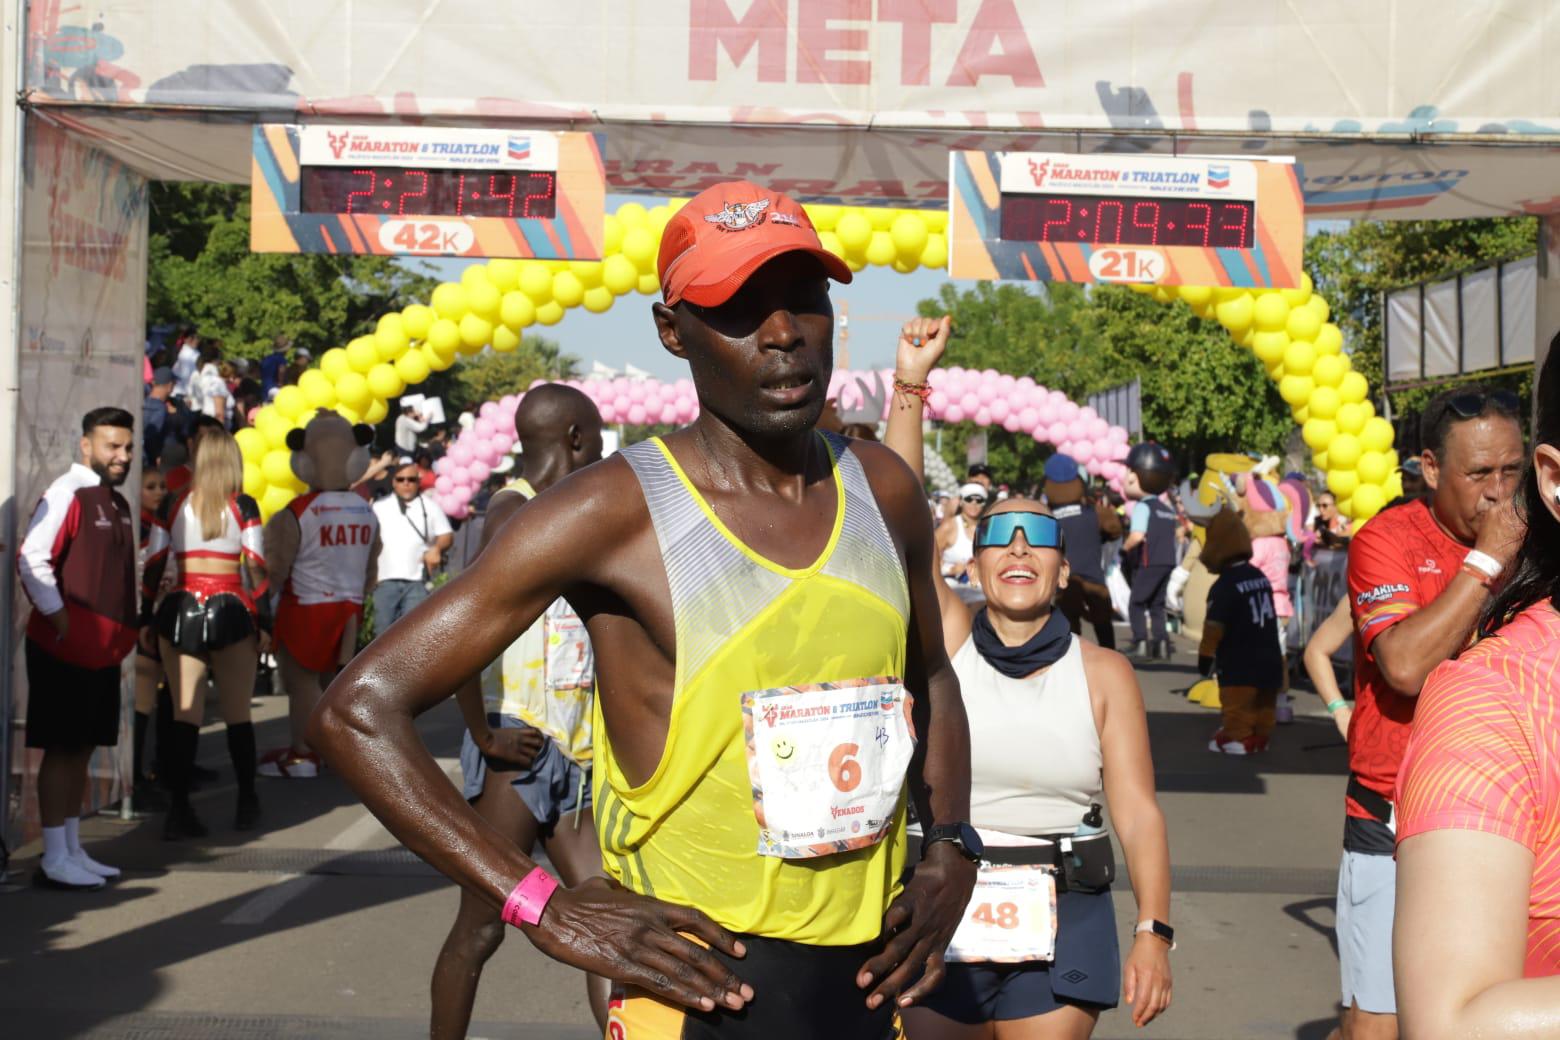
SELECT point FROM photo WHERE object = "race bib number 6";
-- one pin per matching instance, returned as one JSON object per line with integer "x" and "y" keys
{"x": 1011, "y": 917}
{"x": 827, "y": 762}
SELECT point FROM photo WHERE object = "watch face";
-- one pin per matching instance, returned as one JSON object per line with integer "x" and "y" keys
{"x": 971, "y": 840}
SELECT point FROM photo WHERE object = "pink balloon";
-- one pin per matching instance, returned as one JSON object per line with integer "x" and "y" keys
{"x": 937, "y": 377}
{"x": 937, "y": 402}
{"x": 1005, "y": 384}
{"x": 969, "y": 402}
{"x": 509, "y": 402}
{"x": 668, "y": 413}
{"x": 1025, "y": 382}
{"x": 441, "y": 466}
{"x": 489, "y": 408}
{"x": 1028, "y": 419}
{"x": 999, "y": 409}
{"x": 636, "y": 414}
{"x": 983, "y": 417}
{"x": 443, "y": 484}
{"x": 1013, "y": 423}
{"x": 1056, "y": 432}
{"x": 954, "y": 413}
{"x": 479, "y": 471}
{"x": 1083, "y": 453}
{"x": 460, "y": 453}
{"x": 1068, "y": 411}
{"x": 460, "y": 496}
{"x": 483, "y": 427}
{"x": 1047, "y": 413}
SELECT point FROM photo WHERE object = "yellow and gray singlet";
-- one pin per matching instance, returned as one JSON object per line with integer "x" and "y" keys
{"x": 689, "y": 834}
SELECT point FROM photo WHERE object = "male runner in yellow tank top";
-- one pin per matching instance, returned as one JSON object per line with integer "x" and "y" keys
{"x": 771, "y": 681}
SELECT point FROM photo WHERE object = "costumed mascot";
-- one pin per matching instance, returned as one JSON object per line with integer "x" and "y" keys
{"x": 1150, "y": 548}
{"x": 321, "y": 550}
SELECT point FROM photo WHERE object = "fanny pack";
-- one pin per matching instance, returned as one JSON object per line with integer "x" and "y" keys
{"x": 1083, "y": 862}
{"x": 1373, "y": 802}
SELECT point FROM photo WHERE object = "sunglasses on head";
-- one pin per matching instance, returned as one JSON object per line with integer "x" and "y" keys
{"x": 997, "y": 530}
{"x": 974, "y": 498}
{"x": 1472, "y": 404}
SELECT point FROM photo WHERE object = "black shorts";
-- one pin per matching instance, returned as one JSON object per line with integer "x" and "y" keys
{"x": 1085, "y": 974}
{"x": 194, "y": 627}
{"x": 69, "y": 706}
{"x": 799, "y": 991}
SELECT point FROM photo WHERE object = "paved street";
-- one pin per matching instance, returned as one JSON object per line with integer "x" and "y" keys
{"x": 323, "y": 927}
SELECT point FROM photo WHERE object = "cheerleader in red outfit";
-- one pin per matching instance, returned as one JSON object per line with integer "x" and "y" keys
{"x": 210, "y": 617}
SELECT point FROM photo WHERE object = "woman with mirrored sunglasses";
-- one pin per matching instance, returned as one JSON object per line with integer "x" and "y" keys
{"x": 1055, "y": 723}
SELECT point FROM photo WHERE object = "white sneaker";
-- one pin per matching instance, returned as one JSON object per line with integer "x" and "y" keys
{"x": 67, "y": 873}
{"x": 86, "y": 862}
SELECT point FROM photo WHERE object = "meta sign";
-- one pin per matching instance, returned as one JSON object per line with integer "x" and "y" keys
{"x": 1043, "y": 216}
{"x": 427, "y": 191}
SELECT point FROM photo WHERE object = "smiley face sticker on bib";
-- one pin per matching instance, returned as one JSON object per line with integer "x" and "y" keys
{"x": 827, "y": 762}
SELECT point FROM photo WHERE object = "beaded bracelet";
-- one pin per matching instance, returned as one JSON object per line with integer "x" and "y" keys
{"x": 921, "y": 390}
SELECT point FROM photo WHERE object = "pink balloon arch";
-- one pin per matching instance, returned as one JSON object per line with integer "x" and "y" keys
{"x": 982, "y": 396}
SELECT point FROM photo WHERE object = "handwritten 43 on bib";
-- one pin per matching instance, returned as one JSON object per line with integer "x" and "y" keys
{"x": 1011, "y": 916}
{"x": 828, "y": 762}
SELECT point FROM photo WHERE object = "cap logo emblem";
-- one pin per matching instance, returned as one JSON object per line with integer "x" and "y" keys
{"x": 784, "y": 218}
{"x": 739, "y": 216}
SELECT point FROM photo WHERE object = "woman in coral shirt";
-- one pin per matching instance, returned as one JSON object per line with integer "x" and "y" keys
{"x": 1476, "y": 947}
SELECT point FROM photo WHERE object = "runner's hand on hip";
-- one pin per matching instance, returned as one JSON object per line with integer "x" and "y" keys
{"x": 508, "y": 750}
{"x": 921, "y": 345}
{"x": 600, "y": 927}
{"x": 918, "y": 926}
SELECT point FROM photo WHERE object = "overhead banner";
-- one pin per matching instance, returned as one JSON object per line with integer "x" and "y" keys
{"x": 83, "y": 329}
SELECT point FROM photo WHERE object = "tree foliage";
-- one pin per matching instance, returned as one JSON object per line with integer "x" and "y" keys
{"x": 1201, "y": 391}
{"x": 201, "y": 273}
{"x": 489, "y": 376}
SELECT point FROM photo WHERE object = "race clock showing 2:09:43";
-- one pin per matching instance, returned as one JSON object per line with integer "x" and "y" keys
{"x": 1167, "y": 220}
{"x": 428, "y": 191}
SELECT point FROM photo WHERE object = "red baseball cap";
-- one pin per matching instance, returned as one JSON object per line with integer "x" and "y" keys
{"x": 725, "y": 233}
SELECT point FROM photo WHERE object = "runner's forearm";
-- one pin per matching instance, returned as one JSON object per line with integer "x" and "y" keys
{"x": 903, "y": 434}
{"x": 1147, "y": 849}
{"x": 1410, "y": 649}
{"x": 940, "y": 771}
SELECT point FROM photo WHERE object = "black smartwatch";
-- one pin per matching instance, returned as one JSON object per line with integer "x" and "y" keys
{"x": 960, "y": 835}
{"x": 1158, "y": 929}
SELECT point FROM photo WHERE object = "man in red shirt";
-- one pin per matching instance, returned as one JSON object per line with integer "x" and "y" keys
{"x": 1419, "y": 575}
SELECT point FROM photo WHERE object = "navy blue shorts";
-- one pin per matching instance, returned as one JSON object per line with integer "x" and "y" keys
{"x": 1085, "y": 974}
{"x": 553, "y": 787}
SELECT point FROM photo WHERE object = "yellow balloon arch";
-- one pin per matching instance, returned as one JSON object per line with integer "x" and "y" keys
{"x": 495, "y": 301}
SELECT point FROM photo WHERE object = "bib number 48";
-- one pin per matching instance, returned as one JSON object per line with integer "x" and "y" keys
{"x": 998, "y": 915}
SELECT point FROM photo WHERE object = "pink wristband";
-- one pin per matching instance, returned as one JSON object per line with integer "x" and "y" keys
{"x": 526, "y": 903}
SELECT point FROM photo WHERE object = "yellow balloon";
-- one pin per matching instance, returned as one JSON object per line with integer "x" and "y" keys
{"x": 1353, "y": 388}
{"x": 362, "y": 355}
{"x": 550, "y": 313}
{"x": 1367, "y": 501}
{"x": 333, "y": 363}
{"x": 612, "y": 239}
{"x": 276, "y": 467}
{"x": 273, "y": 427}
{"x": 1317, "y": 305}
{"x": 589, "y": 271}
{"x": 1319, "y": 460}
{"x": 350, "y": 414}
{"x": 823, "y": 217}
{"x": 504, "y": 273}
{"x": 1318, "y": 433}
{"x": 412, "y": 367}
{"x": 639, "y": 247}
{"x": 536, "y": 282}
{"x": 391, "y": 337}
{"x": 1270, "y": 312}
{"x": 936, "y": 221}
{"x": 909, "y": 234}
{"x": 598, "y": 299}
{"x": 648, "y": 285}
{"x": 1372, "y": 467}
{"x": 1296, "y": 297}
{"x": 474, "y": 276}
{"x": 1270, "y": 346}
{"x": 251, "y": 444}
{"x": 632, "y": 215}
{"x": 619, "y": 275}
{"x": 484, "y": 298}
{"x": 567, "y": 290}
{"x": 1196, "y": 295}
{"x": 1302, "y": 415}
{"x": 475, "y": 333}
{"x": 377, "y": 409}
{"x": 352, "y": 390}
{"x": 1236, "y": 314}
{"x": 1377, "y": 435}
{"x": 418, "y": 319}
{"x": 517, "y": 311}
{"x": 290, "y": 402}
{"x": 449, "y": 301}
{"x": 1329, "y": 369}
{"x": 317, "y": 389}
{"x": 1275, "y": 371}
{"x": 1342, "y": 482}
{"x": 1344, "y": 451}
{"x": 1303, "y": 322}
{"x": 1351, "y": 418}
{"x": 254, "y": 481}
{"x": 1329, "y": 339}
{"x": 935, "y": 255}
{"x": 384, "y": 381}
{"x": 274, "y": 500}
{"x": 437, "y": 360}
{"x": 1222, "y": 293}
{"x": 1324, "y": 401}
{"x": 506, "y": 339}
{"x": 881, "y": 218}
{"x": 1394, "y": 485}
{"x": 1300, "y": 357}
{"x": 880, "y": 249}
{"x": 1296, "y": 390}
{"x": 854, "y": 231}
{"x": 444, "y": 337}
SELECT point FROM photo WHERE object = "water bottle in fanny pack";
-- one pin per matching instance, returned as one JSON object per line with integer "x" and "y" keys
{"x": 1085, "y": 861}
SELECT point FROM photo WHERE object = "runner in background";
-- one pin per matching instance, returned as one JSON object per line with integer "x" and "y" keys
{"x": 526, "y": 753}
{"x": 1055, "y": 724}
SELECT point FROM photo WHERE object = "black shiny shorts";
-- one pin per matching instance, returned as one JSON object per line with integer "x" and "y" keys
{"x": 195, "y": 627}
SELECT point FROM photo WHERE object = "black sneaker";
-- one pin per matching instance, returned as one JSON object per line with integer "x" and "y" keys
{"x": 247, "y": 815}
{"x": 182, "y": 823}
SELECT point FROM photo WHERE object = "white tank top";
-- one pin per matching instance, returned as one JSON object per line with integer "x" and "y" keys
{"x": 335, "y": 536}
{"x": 1035, "y": 759}
{"x": 959, "y": 553}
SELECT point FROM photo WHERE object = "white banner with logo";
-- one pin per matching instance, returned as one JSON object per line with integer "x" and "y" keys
{"x": 83, "y": 276}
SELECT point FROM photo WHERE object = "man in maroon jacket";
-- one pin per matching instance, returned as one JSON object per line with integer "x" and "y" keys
{"x": 77, "y": 565}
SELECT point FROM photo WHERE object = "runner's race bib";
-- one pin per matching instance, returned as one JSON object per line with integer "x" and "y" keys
{"x": 827, "y": 762}
{"x": 1011, "y": 916}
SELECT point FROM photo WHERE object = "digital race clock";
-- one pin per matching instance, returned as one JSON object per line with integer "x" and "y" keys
{"x": 1124, "y": 218}
{"x": 427, "y": 191}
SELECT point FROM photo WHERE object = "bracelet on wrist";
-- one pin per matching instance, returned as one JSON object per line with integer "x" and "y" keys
{"x": 1478, "y": 574}
{"x": 921, "y": 390}
{"x": 1333, "y": 707}
{"x": 529, "y": 898}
